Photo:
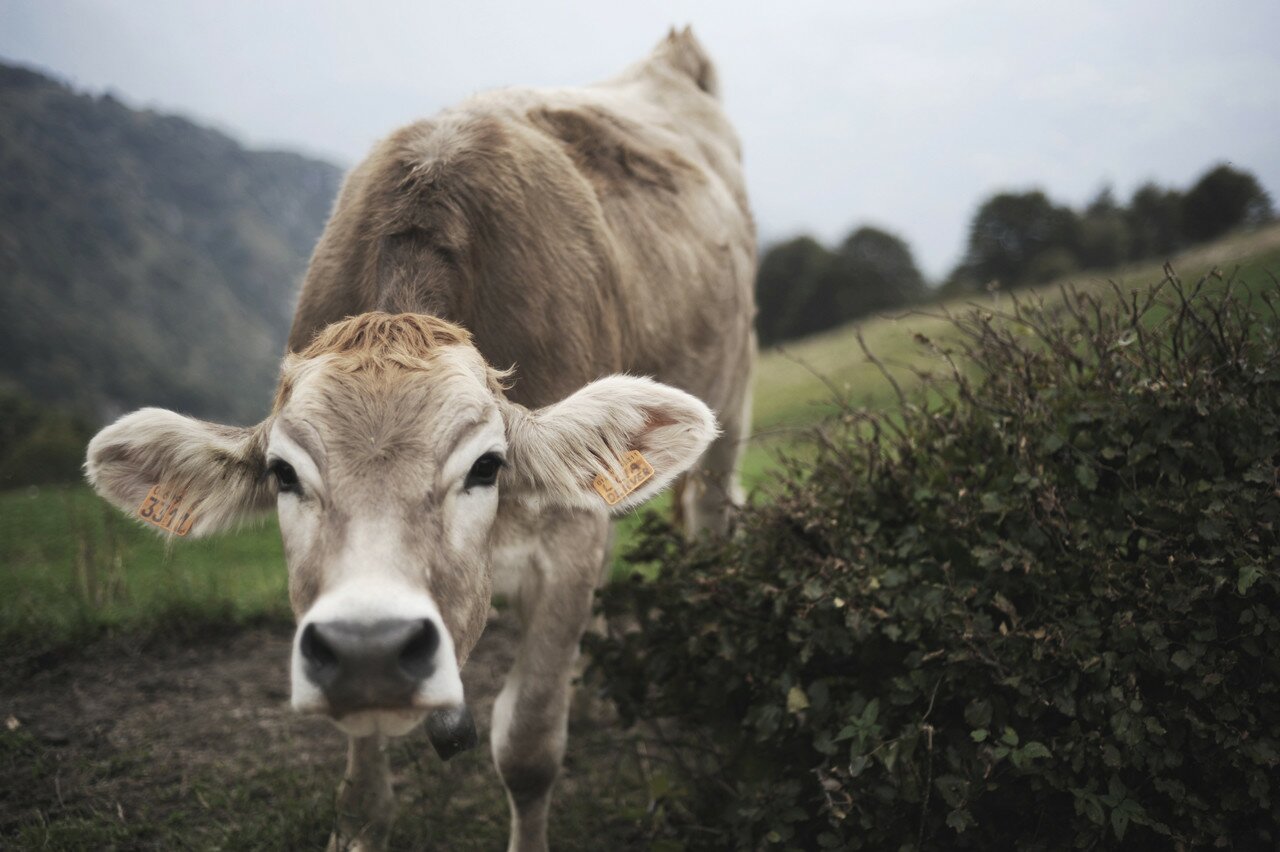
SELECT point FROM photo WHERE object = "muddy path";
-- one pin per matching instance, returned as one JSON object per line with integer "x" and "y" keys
{"x": 192, "y": 745}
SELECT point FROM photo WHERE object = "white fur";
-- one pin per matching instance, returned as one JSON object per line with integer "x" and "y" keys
{"x": 503, "y": 711}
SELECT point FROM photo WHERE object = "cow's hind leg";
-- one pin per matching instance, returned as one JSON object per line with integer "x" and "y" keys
{"x": 709, "y": 493}
{"x": 366, "y": 803}
{"x": 553, "y": 602}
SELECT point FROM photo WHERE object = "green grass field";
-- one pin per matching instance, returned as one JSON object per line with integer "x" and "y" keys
{"x": 68, "y": 562}
{"x": 71, "y": 561}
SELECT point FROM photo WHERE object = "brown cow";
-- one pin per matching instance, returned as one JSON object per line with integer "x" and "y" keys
{"x": 461, "y": 408}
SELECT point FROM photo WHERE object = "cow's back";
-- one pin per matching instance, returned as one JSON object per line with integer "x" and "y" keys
{"x": 575, "y": 232}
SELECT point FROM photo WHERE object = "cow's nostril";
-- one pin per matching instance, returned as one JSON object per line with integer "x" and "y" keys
{"x": 319, "y": 655}
{"x": 417, "y": 657}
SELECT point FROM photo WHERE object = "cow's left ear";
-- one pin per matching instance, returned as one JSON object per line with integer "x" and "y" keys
{"x": 178, "y": 474}
{"x": 611, "y": 445}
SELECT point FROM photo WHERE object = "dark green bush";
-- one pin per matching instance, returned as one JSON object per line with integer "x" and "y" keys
{"x": 39, "y": 443}
{"x": 1042, "y": 614}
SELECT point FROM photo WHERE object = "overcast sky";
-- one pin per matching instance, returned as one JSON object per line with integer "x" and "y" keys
{"x": 902, "y": 114}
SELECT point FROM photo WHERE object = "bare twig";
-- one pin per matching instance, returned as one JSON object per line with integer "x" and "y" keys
{"x": 837, "y": 396}
{"x": 897, "y": 388}
{"x": 928, "y": 781}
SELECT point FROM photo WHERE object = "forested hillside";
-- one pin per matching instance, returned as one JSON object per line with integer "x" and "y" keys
{"x": 145, "y": 260}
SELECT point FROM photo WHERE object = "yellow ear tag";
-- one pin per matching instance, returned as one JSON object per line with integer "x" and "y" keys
{"x": 636, "y": 471}
{"x": 166, "y": 512}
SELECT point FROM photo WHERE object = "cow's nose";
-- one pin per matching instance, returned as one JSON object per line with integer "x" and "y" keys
{"x": 369, "y": 665}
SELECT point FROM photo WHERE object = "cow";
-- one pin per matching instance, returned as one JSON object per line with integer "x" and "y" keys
{"x": 526, "y": 314}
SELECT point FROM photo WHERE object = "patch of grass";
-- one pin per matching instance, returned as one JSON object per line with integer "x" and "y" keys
{"x": 35, "y": 816}
{"x": 105, "y": 800}
{"x": 53, "y": 798}
{"x": 276, "y": 808}
{"x": 70, "y": 564}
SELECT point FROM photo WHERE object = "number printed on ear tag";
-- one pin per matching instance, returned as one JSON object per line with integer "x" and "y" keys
{"x": 166, "y": 511}
{"x": 636, "y": 471}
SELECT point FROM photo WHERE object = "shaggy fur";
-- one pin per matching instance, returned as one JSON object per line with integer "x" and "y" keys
{"x": 218, "y": 469}
{"x": 380, "y": 343}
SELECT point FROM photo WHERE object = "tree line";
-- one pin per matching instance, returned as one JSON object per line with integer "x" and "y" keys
{"x": 1015, "y": 239}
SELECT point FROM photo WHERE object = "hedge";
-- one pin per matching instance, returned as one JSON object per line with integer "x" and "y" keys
{"x": 1042, "y": 613}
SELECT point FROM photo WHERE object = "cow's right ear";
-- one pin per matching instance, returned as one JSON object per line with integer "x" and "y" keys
{"x": 181, "y": 474}
{"x": 611, "y": 445}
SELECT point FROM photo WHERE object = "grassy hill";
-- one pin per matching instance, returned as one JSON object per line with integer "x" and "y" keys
{"x": 794, "y": 382}
{"x": 144, "y": 259}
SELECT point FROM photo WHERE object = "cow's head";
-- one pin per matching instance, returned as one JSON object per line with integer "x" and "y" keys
{"x": 390, "y": 455}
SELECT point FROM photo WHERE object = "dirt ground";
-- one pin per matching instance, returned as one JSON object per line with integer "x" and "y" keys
{"x": 130, "y": 745}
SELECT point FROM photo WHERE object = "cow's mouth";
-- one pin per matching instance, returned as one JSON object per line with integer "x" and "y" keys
{"x": 452, "y": 730}
{"x": 383, "y": 722}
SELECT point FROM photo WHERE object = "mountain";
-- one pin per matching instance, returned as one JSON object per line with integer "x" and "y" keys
{"x": 144, "y": 259}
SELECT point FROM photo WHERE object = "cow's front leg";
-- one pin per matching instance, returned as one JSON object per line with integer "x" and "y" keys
{"x": 366, "y": 803}
{"x": 530, "y": 717}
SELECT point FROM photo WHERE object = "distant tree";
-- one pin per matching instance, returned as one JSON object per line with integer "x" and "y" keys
{"x": 872, "y": 270}
{"x": 957, "y": 284}
{"x": 788, "y": 287}
{"x": 1050, "y": 265}
{"x": 1105, "y": 237}
{"x": 1223, "y": 199}
{"x": 802, "y": 288}
{"x": 1155, "y": 222}
{"x": 19, "y": 416}
{"x": 1009, "y": 231}
{"x": 1024, "y": 238}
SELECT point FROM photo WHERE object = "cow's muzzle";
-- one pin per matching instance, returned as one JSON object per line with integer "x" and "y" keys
{"x": 383, "y": 676}
{"x": 376, "y": 665}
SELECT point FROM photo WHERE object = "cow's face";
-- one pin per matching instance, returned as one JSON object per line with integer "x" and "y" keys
{"x": 390, "y": 456}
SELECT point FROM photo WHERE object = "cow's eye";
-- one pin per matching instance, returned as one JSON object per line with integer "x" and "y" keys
{"x": 286, "y": 477}
{"x": 485, "y": 470}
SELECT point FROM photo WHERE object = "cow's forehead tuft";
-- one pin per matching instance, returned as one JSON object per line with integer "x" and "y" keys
{"x": 381, "y": 336}
{"x": 375, "y": 345}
